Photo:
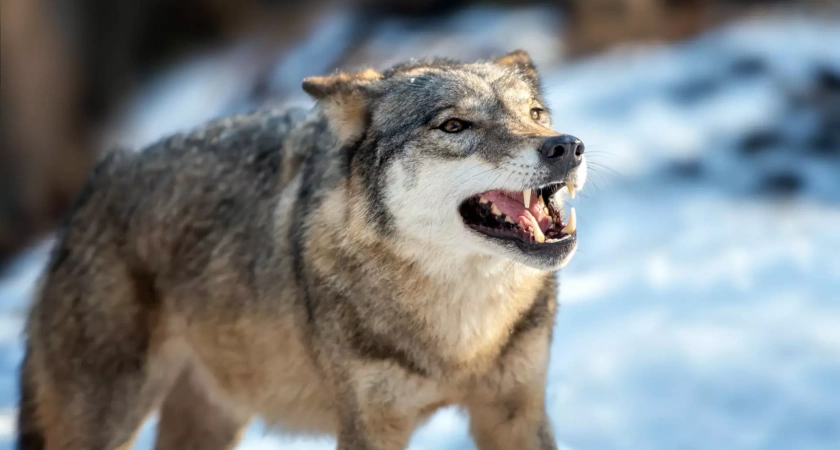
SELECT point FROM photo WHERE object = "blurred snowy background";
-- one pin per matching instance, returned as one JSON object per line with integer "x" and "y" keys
{"x": 702, "y": 310}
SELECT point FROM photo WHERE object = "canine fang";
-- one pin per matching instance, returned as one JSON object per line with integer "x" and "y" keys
{"x": 571, "y": 225}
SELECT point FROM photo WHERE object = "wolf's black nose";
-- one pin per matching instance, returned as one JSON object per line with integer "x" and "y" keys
{"x": 562, "y": 146}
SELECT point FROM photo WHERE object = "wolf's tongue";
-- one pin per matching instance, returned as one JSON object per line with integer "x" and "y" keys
{"x": 512, "y": 206}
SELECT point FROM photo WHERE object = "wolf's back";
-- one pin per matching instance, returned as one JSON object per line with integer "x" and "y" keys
{"x": 164, "y": 209}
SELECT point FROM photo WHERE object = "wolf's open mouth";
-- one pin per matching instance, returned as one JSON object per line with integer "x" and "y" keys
{"x": 531, "y": 216}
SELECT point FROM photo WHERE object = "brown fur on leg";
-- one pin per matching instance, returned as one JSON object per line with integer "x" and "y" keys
{"x": 376, "y": 410}
{"x": 508, "y": 411}
{"x": 191, "y": 420}
{"x": 97, "y": 362}
{"x": 515, "y": 424}
{"x": 374, "y": 430}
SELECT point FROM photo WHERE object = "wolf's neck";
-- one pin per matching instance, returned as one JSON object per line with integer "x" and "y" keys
{"x": 467, "y": 307}
{"x": 462, "y": 308}
{"x": 448, "y": 278}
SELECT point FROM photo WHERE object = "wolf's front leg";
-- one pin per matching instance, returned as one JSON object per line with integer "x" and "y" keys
{"x": 376, "y": 408}
{"x": 371, "y": 430}
{"x": 507, "y": 409}
{"x": 518, "y": 423}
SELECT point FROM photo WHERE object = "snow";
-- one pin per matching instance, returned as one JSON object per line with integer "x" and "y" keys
{"x": 702, "y": 310}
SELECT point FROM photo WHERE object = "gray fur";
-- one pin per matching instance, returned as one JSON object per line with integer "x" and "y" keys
{"x": 269, "y": 264}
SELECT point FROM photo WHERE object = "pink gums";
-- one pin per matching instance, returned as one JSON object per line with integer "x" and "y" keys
{"x": 511, "y": 204}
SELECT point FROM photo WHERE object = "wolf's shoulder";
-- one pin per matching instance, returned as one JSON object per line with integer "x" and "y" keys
{"x": 244, "y": 149}
{"x": 232, "y": 136}
{"x": 188, "y": 174}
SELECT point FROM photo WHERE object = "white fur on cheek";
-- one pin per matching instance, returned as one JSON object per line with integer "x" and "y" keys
{"x": 425, "y": 203}
{"x": 424, "y": 195}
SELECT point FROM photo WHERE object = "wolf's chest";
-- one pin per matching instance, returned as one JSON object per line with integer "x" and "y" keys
{"x": 471, "y": 324}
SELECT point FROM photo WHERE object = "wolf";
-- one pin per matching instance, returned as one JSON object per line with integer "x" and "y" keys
{"x": 344, "y": 270}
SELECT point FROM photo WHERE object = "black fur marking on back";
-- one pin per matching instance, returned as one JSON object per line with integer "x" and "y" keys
{"x": 268, "y": 155}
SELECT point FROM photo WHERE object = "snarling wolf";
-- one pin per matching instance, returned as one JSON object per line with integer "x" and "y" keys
{"x": 346, "y": 270}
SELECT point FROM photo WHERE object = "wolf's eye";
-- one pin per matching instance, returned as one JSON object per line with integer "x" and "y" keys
{"x": 536, "y": 113}
{"x": 454, "y": 126}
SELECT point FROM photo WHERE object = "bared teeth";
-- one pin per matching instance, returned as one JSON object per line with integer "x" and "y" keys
{"x": 571, "y": 225}
{"x": 537, "y": 232}
{"x": 527, "y": 224}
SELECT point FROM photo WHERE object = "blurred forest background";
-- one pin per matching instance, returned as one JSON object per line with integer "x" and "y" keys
{"x": 702, "y": 309}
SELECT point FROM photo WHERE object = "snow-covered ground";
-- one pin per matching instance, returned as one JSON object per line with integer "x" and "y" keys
{"x": 702, "y": 310}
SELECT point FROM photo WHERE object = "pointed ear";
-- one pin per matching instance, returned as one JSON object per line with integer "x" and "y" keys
{"x": 343, "y": 99}
{"x": 520, "y": 61}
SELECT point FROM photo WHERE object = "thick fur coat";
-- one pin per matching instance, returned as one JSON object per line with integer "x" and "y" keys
{"x": 314, "y": 268}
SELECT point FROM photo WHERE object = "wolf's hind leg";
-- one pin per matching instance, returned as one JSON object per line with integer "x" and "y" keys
{"x": 106, "y": 417}
{"x": 191, "y": 419}
{"x": 98, "y": 360}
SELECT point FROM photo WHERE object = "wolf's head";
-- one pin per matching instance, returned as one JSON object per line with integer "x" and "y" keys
{"x": 457, "y": 160}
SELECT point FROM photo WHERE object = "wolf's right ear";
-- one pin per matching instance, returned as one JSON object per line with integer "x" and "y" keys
{"x": 520, "y": 61}
{"x": 343, "y": 99}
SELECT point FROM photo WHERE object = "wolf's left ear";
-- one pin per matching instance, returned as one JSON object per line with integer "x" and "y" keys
{"x": 343, "y": 99}
{"x": 520, "y": 61}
